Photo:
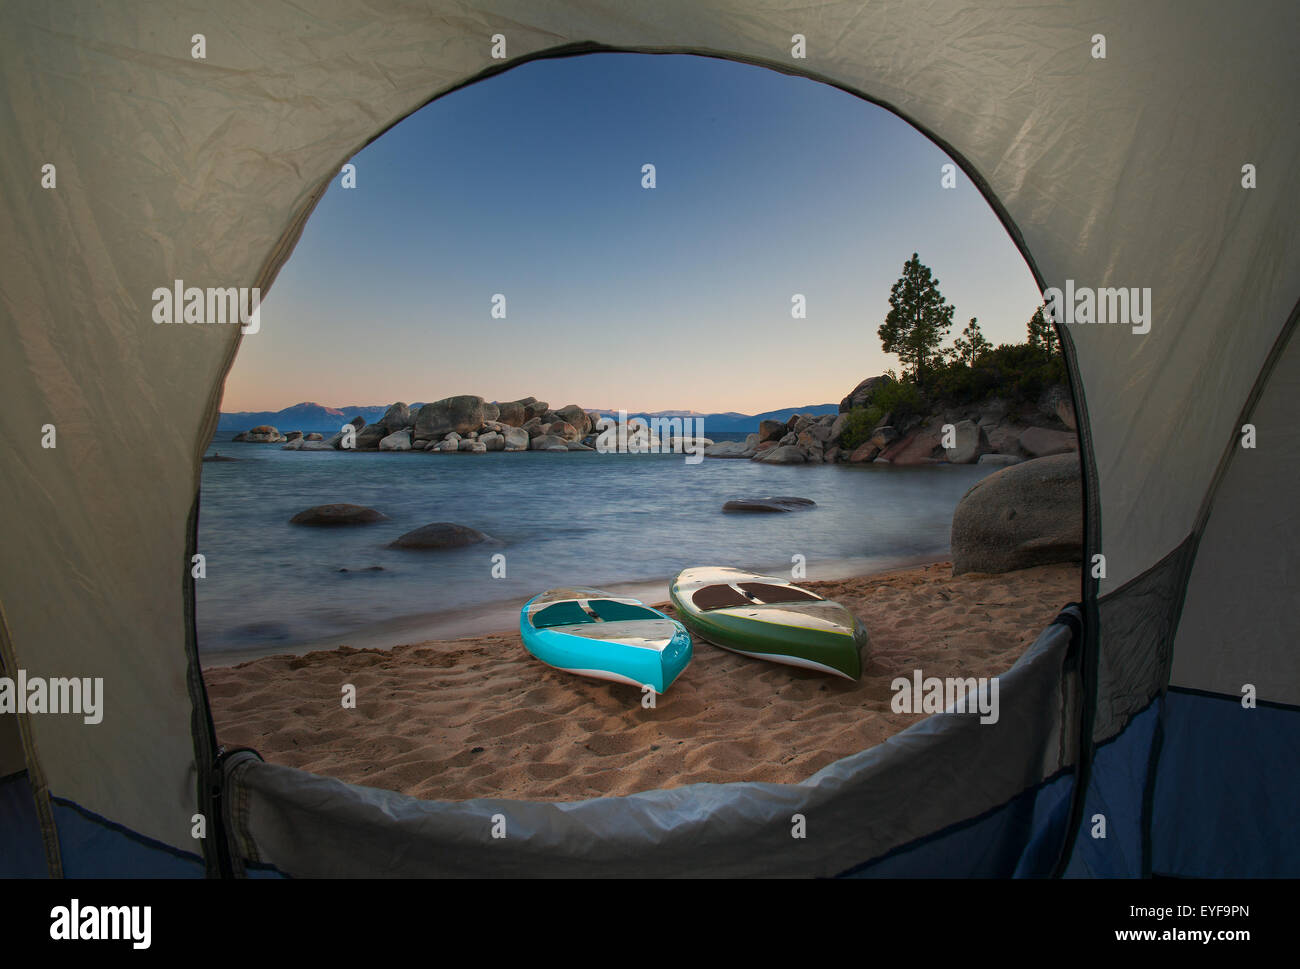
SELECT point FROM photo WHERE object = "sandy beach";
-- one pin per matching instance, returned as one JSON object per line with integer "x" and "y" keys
{"x": 479, "y": 717}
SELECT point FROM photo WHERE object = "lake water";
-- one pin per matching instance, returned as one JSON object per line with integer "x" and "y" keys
{"x": 581, "y": 518}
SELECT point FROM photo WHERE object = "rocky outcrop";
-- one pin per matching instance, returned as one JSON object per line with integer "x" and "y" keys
{"x": 783, "y": 454}
{"x": 1039, "y": 442}
{"x": 396, "y": 417}
{"x": 860, "y": 396}
{"x": 771, "y": 430}
{"x": 1025, "y": 515}
{"x": 262, "y": 434}
{"x": 338, "y": 514}
{"x": 440, "y": 535}
{"x": 970, "y": 443}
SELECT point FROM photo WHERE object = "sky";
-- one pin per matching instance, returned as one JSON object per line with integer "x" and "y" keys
{"x": 529, "y": 184}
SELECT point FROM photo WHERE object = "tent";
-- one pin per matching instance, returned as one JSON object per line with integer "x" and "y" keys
{"x": 1133, "y": 712}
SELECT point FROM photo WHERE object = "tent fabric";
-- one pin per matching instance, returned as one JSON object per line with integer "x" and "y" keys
{"x": 855, "y": 810}
{"x": 1122, "y": 171}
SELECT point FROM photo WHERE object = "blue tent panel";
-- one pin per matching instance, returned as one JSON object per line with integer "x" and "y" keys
{"x": 94, "y": 847}
{"x": 21, "y": 851}
{"x": 1224, "y": 801}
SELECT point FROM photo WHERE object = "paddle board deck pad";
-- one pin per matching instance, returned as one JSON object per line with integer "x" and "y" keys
{"x": 769, "y": 618}
{"x": 593, "y": 633}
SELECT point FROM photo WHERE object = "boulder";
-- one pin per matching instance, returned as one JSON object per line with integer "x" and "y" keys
{"x": 535, "y": 408}
{"x": 397, "y": 441}
{"x": 751, "y": 440}
{"x": 439, "y": 535}
{"x": 339, "y": 514}
{"x": 770, "y": 431}
{"x": 462, "y": 414}
{"x": 970, "y": 443}
{"x": 511, "y": 413}
{"x": 533, "y": 426}
{"x": 368, "y": 437}
{"x": 293, "y": 436}
{"x": 263, "y": 434}
{"x": 1004, "y": 438}
{"x": 315, "y": 446}
{"x": 491, "y": 412}
{"x": 919, "y": 447}
{"x": 544, "y": 441}
{"x": 728, "y": 449}
{"x": 576, "y": 446}
{"x": 789, "y": 439}
{"x": 884, "y": 436}
{"x": 837, "y": 426}
{"x": 516, "y": 439}
{"x": 769, "y": 504}
{"x": 832, "y": 454}
{"x": 864, "y": 453}
{"x": 575, "y": 416}
{"x": 860, "y": 396}
{"x": 999, "y": 460}
{"x": 492, "y": 441}
{"x": 1065, "y": 413}
{"x": 1040, "y": 442}
{"x": 565, "y": 430}
{"x": 782, "y": 454}
{"x": 396, "y": 417}
{"x": 1025, "y": 515}
{"x": 241, "y": 436}
{"x": 313, "y": 436}
{"x": 294, "y": 445}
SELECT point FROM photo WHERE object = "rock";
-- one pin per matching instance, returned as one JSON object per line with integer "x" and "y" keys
{"x": 396, "y": 417}
{"x": 970, "y": 443}
{"x": 467, "y": 444}
{"x": 770, "y": 431}
{"x": 860, "y": 396}
{"x": 1040, "y": 442}
{"x": 764, "y": 446}
{"x": 339, "y": 514}
{"x": 769, "y": 504}
{"x": 492, "y": 441}
{"x": 832, "y": 454}
{"x": 728, "y": 449}
{"x": 1004, "y": 438}
{"x": 461, "y": 414}
{"x": 293, "y": 436}
{"x": 789, "y": 439}
{"x": 993, "y": 412}
{"x": 884, "y": 436}
{"x": 533, "y": 426}
{"x": 1065, "y": 413}
{"x": 313, "y": 436}
{"x": 535, "y": 408}
{"x": 821, "y": 431}
{"x": 565, "y": 430}
{"x": 368, "y": 437}
{"x": 446, "y": 447}
{"x": 439, "y": 535}
{"x": 999, "y": 460}
{"x": 782, "y": 454}
{"x": 516, "y": 439}
{"x": 864, "y": 453}
{"x": 751, "y": 440}
{"x": 295, "y": 445}
{"x": 491, "y": 412}
{"x": 242, "y": 436}
{"x": 397, "y": 441}
{"x": 575, "y": 446}
{"x": 837, "y": 426}
{"x": 263, "y": 434}
{"x": 576, "y": 417}
{"x": 544, "y": 441}
{"x": 217, "y": 456}
{"x": 919, "y": 447}
{"x": 1025, "y": 515}
{"x": 315, "y": 446}
{"x": 511, "y": 413}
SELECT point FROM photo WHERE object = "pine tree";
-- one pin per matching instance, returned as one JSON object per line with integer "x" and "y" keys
{"x": 918, "y": 319}
{"x": 971, "y": 345}
{"x": 1042, "y": 334}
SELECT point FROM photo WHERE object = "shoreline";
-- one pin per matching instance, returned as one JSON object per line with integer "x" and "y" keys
{"x": 454, "y": 720}
{"x": 501, "y": 616}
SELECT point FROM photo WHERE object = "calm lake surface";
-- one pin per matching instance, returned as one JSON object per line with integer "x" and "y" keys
{"x": 581, "y": 518}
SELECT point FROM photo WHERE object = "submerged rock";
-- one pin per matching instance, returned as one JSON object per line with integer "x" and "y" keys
{"x": 769, "y": 504}
{"x": 338, "y": 514}
{"x": 439, "y": 535}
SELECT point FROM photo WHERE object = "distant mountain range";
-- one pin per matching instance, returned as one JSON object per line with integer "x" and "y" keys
{"x": 309, "y": 416}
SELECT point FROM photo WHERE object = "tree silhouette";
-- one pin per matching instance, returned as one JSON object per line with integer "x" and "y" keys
{"x": 971, "y": 345}
{"x": 1042, "y": 334}
{"x": 918, "y": 319}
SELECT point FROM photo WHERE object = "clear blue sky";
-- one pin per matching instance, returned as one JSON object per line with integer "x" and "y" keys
{"x": 529, "y": 184}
